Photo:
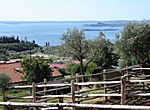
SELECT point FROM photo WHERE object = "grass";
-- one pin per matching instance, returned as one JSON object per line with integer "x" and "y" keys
{"x": 19, "y": 93}
{"x": 1, "y": 100}
{"x": 53, "y": 101}
{"x": 100, "y": 100}
{"x": 15, "y": 93}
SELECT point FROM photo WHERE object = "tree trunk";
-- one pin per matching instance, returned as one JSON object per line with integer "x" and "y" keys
{"x": 4, "y": 94}
{"x": 82, "y": 67}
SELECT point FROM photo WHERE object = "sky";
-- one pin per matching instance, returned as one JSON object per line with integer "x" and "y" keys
{"x": 73, "y": 10}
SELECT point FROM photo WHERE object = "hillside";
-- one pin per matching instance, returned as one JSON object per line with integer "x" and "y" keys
{"x": 9, "y": 46}
{"x": 117, "y": 23}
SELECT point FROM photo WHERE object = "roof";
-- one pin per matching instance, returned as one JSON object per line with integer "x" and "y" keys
{"x": 56, "y": 73}
{"x": 12, "y": 69}
{"x": 55, "y": 65}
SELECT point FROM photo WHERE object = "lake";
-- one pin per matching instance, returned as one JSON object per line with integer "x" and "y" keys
{"x": 51, "y": 32}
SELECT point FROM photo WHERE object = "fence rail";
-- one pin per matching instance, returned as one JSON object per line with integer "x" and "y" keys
{"x": 76, "y": 94}
{"x": 117, "y": 88}
{"x": 47, "y": 106}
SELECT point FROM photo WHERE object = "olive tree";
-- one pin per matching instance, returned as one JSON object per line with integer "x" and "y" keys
{"x": 5, "y": 81}
{"x": 105, "y": 55}
{"x": 76, "y": 45}
{"x": 133, "y": 43}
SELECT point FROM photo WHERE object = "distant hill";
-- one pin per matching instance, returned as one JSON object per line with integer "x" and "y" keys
{"x": 114, "y": 23}
{"x": 9, "y": 45}
{"x": 13, "y": 43}
{"x": 98, "y": 24}
{"x": 118, "y": 23}
{"x": 99, "y": 29}
{"x": 111, "y": 23}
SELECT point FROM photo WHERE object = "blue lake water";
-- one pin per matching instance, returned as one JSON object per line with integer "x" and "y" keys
{"x": 52, "y": 31}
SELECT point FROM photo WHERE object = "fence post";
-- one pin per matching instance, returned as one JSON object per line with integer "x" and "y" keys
{"x": 33, "y": 92}
{"x": 60, "y": 101}
{"x": 77, "y": 87}
{"x": 73, "y": 92}
{"x": 123, "y": 90}
{"x": 105, "y": 85}
{"x": 77, "y": 80}
{"x": 4, "y": 97}
{"x": 127, "y": 73}
{"x": 45, "y": 82}
{"x": 82, "y": 78}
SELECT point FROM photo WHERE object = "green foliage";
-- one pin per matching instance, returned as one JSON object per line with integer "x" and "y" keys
{"x": 72, "y": 69}
{"x": 12, "y": 39}
{"x": 17, "y": 47}
{"x": 75, "y": 45}
{"x": 133, "y": 44}
{"x": 10, "y": 45}
{"x": 90, "y": 68}
{"x": 36, "y": 69}
{"x": 51, "y": 50}
{"x": 105, "y": 56}
{"x": 99, "y": 50}
{"x": 5, "y": 81}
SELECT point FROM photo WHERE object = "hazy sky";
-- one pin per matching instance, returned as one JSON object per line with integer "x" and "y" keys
{"x": 59, "y": 10}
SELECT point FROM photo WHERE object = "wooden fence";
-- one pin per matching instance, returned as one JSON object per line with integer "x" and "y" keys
{"x": 73, "y": 88}
{"x": 121, "y": 85}
{"x": 54, "y": 86}
{"x": 47, "y": 106}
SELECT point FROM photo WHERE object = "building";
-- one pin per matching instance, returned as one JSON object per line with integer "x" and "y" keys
{"x": 14, "y": 71}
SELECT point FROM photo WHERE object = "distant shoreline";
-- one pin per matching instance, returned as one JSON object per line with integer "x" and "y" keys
{"x": 100, "y": 29}
{"x": 67, "y": 21}
{"x": 50, "y": 31}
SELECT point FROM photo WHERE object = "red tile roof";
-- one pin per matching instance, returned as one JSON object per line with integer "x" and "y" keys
{"x": 11, "y": 70}
{"x": 56, "y": 73}
{"x": 55, "y": 65}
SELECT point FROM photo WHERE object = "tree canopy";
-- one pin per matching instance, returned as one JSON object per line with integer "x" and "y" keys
{"x": 90, "y": 68}
{"x": 9, "y": 46}
{"x": 5, "y": 81}
{"x": 105, "y": 56}
{"x": 98, "y": 50}
{"x": 133, "y": 43}
{"x": 36, "y": 69}
{"x": 72, "y": 69}
{"x": 11, "y": 39}
{"x": 76, "y": 45}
